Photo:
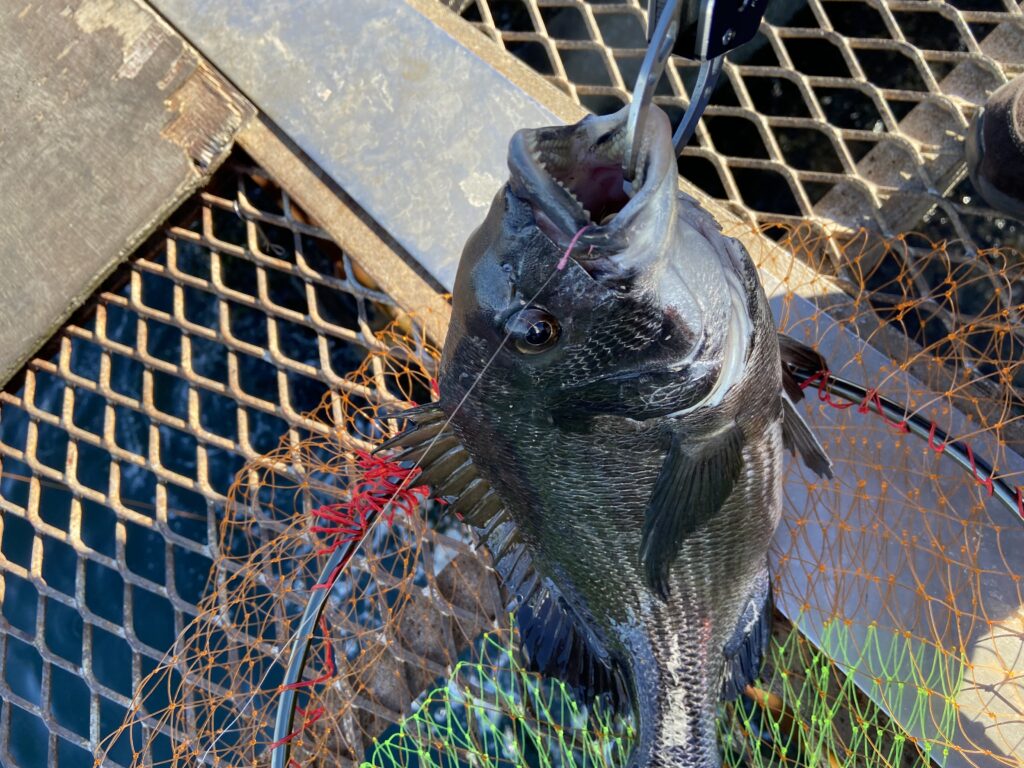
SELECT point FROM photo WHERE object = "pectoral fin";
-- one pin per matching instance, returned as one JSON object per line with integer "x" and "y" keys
{"x": 798, "y": 438}
{"x": 693, "y": 484}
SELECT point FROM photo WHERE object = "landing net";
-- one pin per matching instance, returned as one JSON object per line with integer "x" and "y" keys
{"x": 899, "y": 635}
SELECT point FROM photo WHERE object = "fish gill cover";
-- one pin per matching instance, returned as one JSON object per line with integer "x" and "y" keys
{"x": 900, "y": 577}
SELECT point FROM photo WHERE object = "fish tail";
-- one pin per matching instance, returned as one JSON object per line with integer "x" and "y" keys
{"x": 699, "y": 749}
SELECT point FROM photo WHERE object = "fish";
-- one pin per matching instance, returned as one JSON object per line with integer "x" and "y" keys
{"x": 614, "y": 404}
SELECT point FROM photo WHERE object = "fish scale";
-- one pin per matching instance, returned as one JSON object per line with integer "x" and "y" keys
{"x": 627, "y": 415}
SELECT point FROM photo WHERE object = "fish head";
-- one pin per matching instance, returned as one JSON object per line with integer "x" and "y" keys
{"x": 639, "y": 289}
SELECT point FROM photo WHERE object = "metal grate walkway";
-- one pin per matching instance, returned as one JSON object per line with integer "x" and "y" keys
{"x": 120, "y": 441}
{"x": 118, "y": 447}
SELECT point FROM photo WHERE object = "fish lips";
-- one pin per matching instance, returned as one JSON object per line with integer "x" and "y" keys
{"x": 572, "y": 178}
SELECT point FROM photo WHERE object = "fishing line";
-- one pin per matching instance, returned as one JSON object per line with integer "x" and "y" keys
{"x": 332, "y": 570}
{"x": 340, "y": 558}
{"x": 894, "y": 414}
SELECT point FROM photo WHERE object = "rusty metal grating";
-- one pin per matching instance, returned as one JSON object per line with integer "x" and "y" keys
{"x": 845, "y": 113}
{"x": 839, "y": 126}
{"x": 117, "y": 450}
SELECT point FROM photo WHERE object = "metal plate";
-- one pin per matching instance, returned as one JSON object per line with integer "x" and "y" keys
{"x": 108, "y": 95}
{"x": 382, "y": 99}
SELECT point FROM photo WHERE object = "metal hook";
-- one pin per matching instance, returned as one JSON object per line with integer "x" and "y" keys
{"x": 658, "y": 51}
{"x": 702, "y": 90}
{"x": 722, "y": 25}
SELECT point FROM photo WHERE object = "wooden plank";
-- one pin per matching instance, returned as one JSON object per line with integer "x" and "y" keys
{"x": 110, "y": 121}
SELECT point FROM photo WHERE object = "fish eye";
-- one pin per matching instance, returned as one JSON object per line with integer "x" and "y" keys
{"x": 533, "y": 330}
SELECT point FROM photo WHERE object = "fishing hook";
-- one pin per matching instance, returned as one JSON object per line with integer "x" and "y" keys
{"x": 662, "y": 41}
{"x": 721, "y": 26}
{"x": 707, "y": 79}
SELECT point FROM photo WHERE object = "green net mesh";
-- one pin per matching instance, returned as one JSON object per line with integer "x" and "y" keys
{"x": 805, "y": 710}
{"x": 493, "y": 712}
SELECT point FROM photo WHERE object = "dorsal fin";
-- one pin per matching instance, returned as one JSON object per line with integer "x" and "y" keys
{"x": 797, "y": 356}
{"x": 554, "y": 639}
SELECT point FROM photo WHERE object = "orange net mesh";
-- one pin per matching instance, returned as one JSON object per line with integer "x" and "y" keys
{"x": 900, "y": 578}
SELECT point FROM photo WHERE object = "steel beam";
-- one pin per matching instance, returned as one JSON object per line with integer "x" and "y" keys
{"x": 110, "y": 122}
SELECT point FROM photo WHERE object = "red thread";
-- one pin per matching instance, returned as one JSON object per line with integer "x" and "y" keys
{"x": 330, "y": 668}
{"x": 384, "y": 485}
{"x": 310, "y": 718}
{"x": 435, "y": 387}
{"x": 872, "y": 398}
{"x": 285, "y": 739}
{"x": 987, "y": 482}
{"x": 822, "y": 377}
{"x": 813, "y": 379}
{"x": 313, "y": 716}
{"x": 572, "y": 244}
{"x": 333, "y": 577}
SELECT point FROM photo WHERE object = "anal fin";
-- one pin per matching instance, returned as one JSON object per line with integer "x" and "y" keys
{"x": 557, "y": 643}
{"x": 798, "y": 438}
{"x": 555, "y": 640}
{"x": 745, "y": 651}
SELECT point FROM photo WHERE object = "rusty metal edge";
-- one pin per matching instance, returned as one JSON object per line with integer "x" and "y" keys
{"x": 377, "y": 254}
{"x": 203, "y": 117}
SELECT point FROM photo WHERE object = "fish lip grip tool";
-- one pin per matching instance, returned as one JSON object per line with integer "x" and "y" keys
{"x": 707, "y": 32}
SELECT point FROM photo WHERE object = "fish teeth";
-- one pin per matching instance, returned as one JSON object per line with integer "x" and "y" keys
{"x": 543, "y": 158}
{"x": 570, "y": 193}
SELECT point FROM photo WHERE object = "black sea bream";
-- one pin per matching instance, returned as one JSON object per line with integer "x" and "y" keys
{"x": 616, "y": 428}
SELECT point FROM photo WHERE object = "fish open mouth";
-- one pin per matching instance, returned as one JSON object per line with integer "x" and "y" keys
{"x": 572, "y": 176}
{"x": 590, "y": 173}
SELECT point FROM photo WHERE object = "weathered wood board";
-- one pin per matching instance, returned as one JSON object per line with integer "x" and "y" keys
{"x": 110, "y": 120}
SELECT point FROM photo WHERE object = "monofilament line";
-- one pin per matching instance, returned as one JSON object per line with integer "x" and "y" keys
{"x": 299, "y": 642}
